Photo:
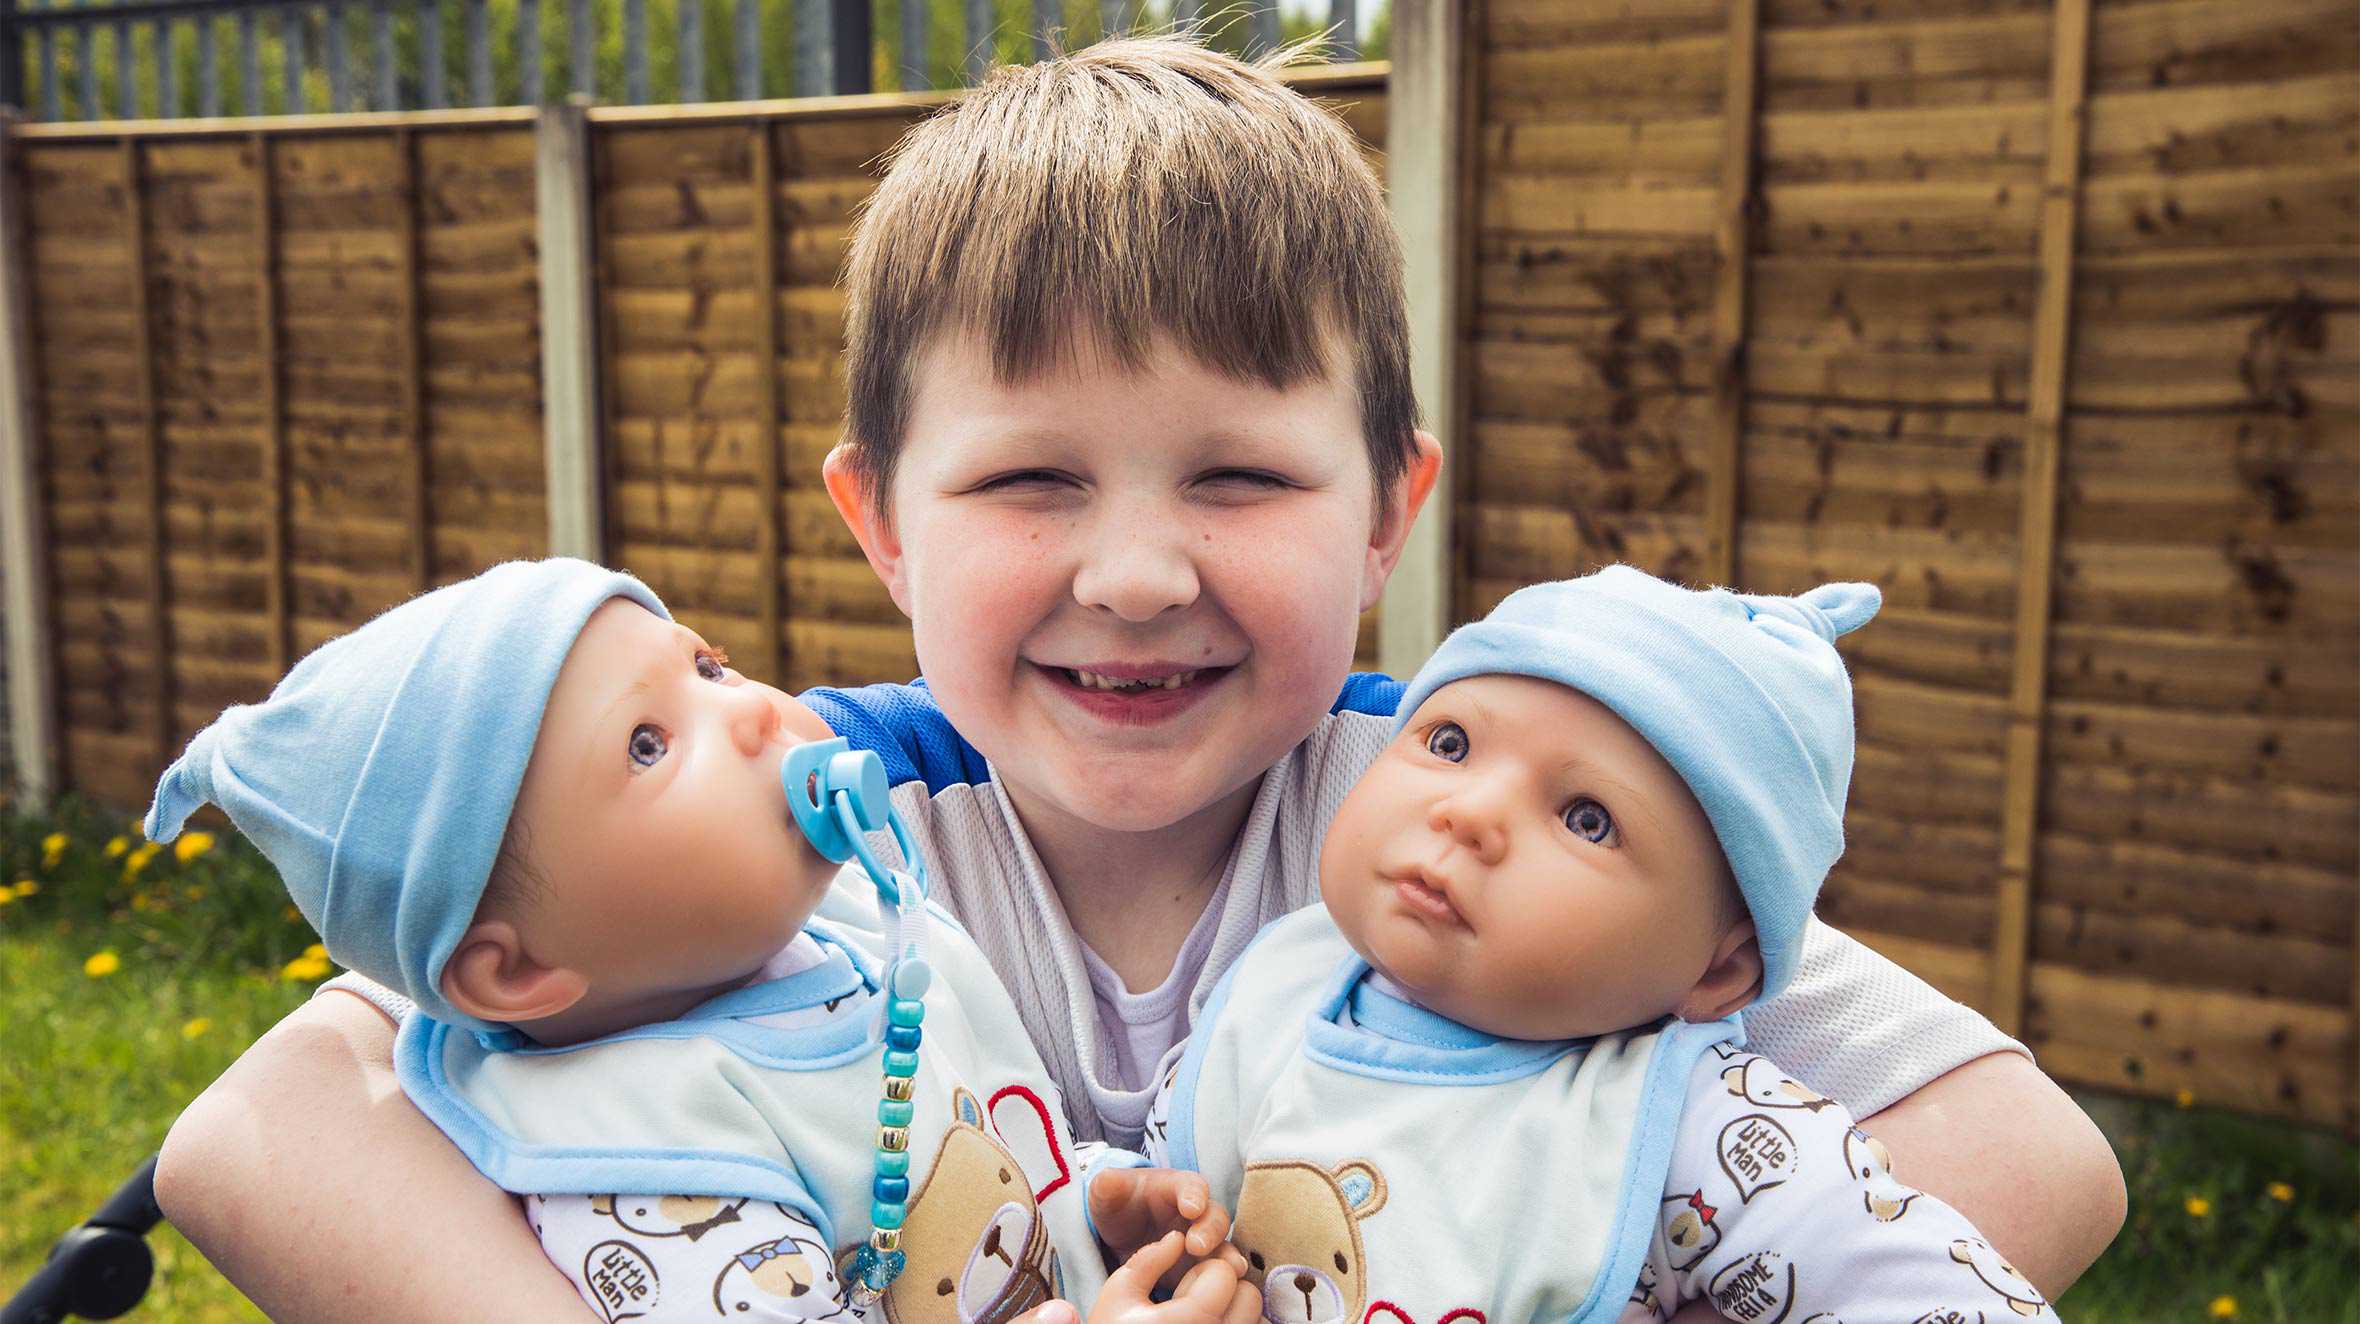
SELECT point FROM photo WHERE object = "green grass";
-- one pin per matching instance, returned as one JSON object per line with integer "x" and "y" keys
{"x": 94, "y": 1067}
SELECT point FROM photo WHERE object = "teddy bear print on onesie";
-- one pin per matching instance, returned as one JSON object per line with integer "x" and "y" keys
{"x": 1387, "y": 1166}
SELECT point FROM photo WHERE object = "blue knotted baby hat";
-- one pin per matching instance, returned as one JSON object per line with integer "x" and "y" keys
{"x": 1745, "y": 696}
{"x": 379, "y": 774}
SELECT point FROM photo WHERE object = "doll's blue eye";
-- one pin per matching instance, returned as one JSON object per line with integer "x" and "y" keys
{"x": 713, "y": 665}
{"x": 1447, "y": 742}
{"x": 1590, "y": 821}
{"x": 648, "y": 745}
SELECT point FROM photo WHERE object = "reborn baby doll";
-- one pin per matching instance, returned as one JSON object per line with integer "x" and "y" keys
{"x": 594, "y": 855}
{"x": 1497, "y": 1076}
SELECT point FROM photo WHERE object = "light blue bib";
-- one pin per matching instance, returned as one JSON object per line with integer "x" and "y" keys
{"x": 1388, "y": 1166}
{"x": 719, "y": 1104}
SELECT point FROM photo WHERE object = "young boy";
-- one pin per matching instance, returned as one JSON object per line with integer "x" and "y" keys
{"x": 1596, "y": 836}
{"x": 1130, "y": 440}
{"x": 557, "y": 822}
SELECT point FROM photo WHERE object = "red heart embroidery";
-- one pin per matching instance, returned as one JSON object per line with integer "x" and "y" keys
{"x": 1040, "y": 1117}
{"x": 1462, "y": 1313}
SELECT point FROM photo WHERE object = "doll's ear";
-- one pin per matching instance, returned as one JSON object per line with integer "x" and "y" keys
{"x": 1732, "y": 980}
{"x": 491, "y": 978}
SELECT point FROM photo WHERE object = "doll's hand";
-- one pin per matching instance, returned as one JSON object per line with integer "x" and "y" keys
{"x": 1132, "y": 1207}
{"x": 1210, "y": 1293}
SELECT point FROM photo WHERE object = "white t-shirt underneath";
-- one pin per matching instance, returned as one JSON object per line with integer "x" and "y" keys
{"x": 1141, "y": 1028}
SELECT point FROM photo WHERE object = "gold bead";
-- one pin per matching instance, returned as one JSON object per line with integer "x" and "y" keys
{"x": 900, "y": 1088}
{"x": 893, "y": 1138}
{"x": 885, "y": 1239}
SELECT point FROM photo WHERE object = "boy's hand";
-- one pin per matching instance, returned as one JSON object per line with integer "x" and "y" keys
{"x": 1132, "y": 1207}
{"x": 1210, "y": 1293}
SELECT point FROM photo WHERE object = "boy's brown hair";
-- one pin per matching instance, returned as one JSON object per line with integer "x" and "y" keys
{"x": 1137, "y": 185}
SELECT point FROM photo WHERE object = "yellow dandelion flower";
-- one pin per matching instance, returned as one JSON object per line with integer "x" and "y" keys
{"x": 191, "y": 845}
{"x": 305, "y": 968}
{"x": 2280, "y": 1191}
{"x": 53, "y": 847}
{"x": 194, "y": 891}
{"x": 116, "y": 846}
{"x": 102, "y": 964}
{"x": 141, "y": 901}
{"x": 195, "y": 1026}
{"x": 2198, "y": 1206}
{"x": 7, "y": 895}
{"x": 26, "y": 887}
{"x": 2185, "y": 1098}
{"x": 315, "y": 952}
{"x": 2222, "y": 1307}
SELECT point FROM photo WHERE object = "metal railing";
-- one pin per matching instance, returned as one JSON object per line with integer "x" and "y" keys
{"x": 171, "y": 59}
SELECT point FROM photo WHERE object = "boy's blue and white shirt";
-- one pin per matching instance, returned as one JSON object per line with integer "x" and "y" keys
{"x": 1853, "y": 1024}
{"x": 1386, "y": 1165}
{"x": 723, "y": 1163}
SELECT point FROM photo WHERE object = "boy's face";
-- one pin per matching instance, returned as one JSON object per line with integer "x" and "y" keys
{"x": 656, "y": 817}
{"x": 1134, "y": 592}
{"x": 1525, "y": 863}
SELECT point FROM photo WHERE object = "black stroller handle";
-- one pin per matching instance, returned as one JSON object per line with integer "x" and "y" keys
{"x": 100, "y": 1269}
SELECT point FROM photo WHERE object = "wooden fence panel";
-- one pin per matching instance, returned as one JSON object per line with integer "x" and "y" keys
{"x": 289, "y": 378}
{"x": 2109, "y": 484}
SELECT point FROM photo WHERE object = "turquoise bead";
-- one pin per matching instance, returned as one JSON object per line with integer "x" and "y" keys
{"x": 893, "y": 1190}
{"x": 898, "y": 1063}
{"x": 903, "y": 1036}
{"x": 893, "y": 1163}
{"x": 895, "y": 1112}
{"x": 886, "y": 1215}
{"x": 906, "y": 1011}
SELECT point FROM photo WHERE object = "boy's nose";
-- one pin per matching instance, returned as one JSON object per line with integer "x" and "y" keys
{"x": 1136, "y": 568}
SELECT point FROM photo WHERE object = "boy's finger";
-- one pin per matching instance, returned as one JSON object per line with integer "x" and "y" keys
{"x": 1139, "y": 1273}
{"x": 1051, "y": 1312}
{"x": 1207, "y": 1288}
{"x": 1209, "y": 1230}
{"x": 1245, "y": 1305}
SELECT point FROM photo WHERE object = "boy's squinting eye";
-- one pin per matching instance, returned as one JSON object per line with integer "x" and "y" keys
{"x": 1447, "y": 742}
{"x": 1590, "y": 821}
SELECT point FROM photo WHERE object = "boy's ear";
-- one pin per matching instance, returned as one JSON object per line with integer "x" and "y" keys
{"x": 859, "y": 512}
{"x": 1395, "y": 516}
{"x": 1731, "y": 981}
{"x": 491, "y": 978}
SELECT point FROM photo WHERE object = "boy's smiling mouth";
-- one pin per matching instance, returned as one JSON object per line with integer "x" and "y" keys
{"x": 1134, "y": 694}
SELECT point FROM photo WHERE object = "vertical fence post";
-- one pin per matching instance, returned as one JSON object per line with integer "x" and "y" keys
{"x": 126, "y": 73}
{"x": 143, "y": 342}
{"x": 635, "y": 52}
{"x": 849, "y": 32}
{"x": 914, "y": 64}
{"x": 479, "y": 53}
{"x": 1344, "y": 17}
{"x": 1047, "y": 17}
{"x": 12, "y": 58}
{"x": 167, "y": 70}
{"x": 291, "y": 56}
{"x": 1427, "y": 160}
{"x": 692, "y": 50}
{"x": 274, "y": 412}
{"x": 388, "y": 78}
{"x": 86, "y": 46}
{"x": 1263, "y": 27}
{"x": 24, "y": 539}
{"x": 812, "y": 47}
{"x": 339, "y": 94}
{"x": 983, "y": 29}
{"x": 747, "y": 21}
{"x": 2036, "y": 537}
{"x": 769, "y": 537}
{"x": 584, "y": 56}
{"x": 52, "y": 103}
{"x": 405, "y": 146}
{"x": 208, "y": 68}
{"x": 431, "y": 92}
{"x": 1733, "y": 250}
{"x": 569, "y": 332}
{"x": 249, "y": 66}
{"x": 528, "y": 51}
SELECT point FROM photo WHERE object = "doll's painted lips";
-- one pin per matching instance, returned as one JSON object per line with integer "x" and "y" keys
{"x": 1428, "y": 902}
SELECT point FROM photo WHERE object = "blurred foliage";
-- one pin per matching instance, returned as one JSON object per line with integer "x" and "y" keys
{"x": 356, "y": 33}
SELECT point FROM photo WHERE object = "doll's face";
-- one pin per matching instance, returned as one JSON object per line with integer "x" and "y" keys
{"x": 1525, "y": 863}
{"x": 655, "y": 815}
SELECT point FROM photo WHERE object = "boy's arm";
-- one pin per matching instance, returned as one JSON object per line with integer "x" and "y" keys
{"x": 1777, "y": 1206}
{"x": 308, "y": 1179}
{"x": 906, "y": 728}
{"x": 1963, "y": 1109}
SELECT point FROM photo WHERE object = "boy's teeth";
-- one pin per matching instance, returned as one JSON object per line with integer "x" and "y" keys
{"x": 1091, "y": 680}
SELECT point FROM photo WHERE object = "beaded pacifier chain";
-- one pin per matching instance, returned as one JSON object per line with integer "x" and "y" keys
{"x": 838, "y": 795}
